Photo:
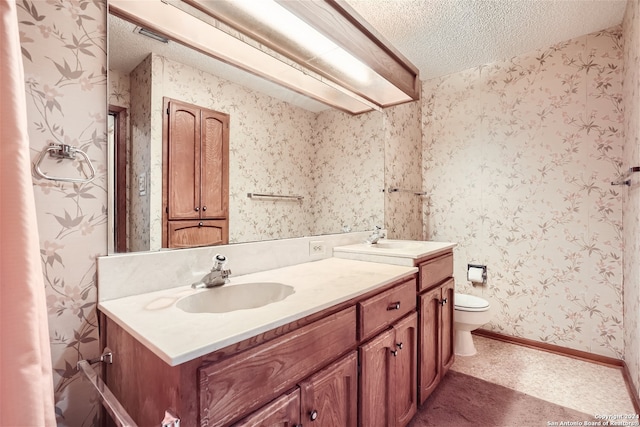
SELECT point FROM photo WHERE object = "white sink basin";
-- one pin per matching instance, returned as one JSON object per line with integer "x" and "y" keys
{"x": 227, "y": 298}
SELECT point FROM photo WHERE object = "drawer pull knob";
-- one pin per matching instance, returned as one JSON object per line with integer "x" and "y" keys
{"x": 394, "y": 306}
{"x": 313, "y": 415}
{"x": 399, "y": 345}
{"x": 394, "y": 352}
{"x": 443, "y": 302}
{"x": 200, "y": 224}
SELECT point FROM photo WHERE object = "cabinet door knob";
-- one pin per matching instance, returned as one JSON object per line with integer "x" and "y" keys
{"x": 196, "y": 209}
{"x": 394, "y": 306}
{"x": 313, "y": 415}
{"x": 394, "y": 352}
{"x": 399, "y": 345}
{"x": 204, "y": 208}
{"x": 443, "y": 302}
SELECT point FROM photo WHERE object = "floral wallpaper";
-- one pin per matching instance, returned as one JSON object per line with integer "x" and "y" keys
{"x": 402, "y": 160}
{"x": 518, "y": 157}
{"x": 64, "y": 54}
{"x": 348, "y": 172}
{"x": 631, "y": 195}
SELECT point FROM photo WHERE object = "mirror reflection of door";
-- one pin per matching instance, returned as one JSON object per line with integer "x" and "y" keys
{"x": 118, "y": 140}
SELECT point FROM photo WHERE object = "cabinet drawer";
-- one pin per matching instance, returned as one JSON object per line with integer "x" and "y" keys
{"x": 244, "y": 382}
{"x": 434, "y": 271}
{"x": 381, "y": 310}
{"x": 188, "y": 234}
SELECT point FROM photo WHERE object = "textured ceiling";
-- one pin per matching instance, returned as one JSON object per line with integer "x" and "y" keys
{"x": 445, "y": 36}
{"x": 438, "y": 36}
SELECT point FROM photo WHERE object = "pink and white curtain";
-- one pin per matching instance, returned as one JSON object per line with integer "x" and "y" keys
{"x": 26, "y": 384}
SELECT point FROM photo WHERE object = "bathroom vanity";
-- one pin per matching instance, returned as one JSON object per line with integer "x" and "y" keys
{"x": 346, "y": 345}
{"x": 342, "y": 347}
{"x": 435, "y": 304}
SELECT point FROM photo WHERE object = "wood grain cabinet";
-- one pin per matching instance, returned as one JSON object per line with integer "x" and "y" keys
{"x": 388, "y": 361}
{"x": 388, "y": 366}
{"x": 326, "y": 399}
{"x": 196, "y": 175}
{"x": 436, "y": 308}
{"x": 352, "y": 364}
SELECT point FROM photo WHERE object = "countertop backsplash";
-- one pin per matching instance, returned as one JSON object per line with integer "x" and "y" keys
{"x": 128, "y": 274}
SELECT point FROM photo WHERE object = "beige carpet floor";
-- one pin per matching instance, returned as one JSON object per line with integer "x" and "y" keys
{"x": 463, "y": 400}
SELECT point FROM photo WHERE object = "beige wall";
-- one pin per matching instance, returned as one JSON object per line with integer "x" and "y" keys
{"x": 518, "y": 157}
{"x": 631, "y": 195}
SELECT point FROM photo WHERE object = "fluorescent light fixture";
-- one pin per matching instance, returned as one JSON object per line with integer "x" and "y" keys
{"x": 318, "y": 48}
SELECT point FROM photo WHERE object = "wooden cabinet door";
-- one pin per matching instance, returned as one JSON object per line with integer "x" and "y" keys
{"x": 429, "y": 342}
{"x": 447, "y": 330}
{"x": 329, "y": 397}
{"x": 376, "y": 375}
{"x": 214, "y": 171}
{"x": 406, "y": 376}
{"x": 282, "y": 412}
{"x": 183, "y": 157}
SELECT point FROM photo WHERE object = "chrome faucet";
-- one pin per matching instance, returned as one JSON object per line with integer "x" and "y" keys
{"x": 376, "y": 235}
{"x": 218, "y": 276}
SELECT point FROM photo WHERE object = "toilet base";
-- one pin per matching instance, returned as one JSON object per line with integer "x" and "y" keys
{"x": 464, "y": 344}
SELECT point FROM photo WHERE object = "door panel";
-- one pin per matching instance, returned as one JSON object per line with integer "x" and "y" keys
{"x": 406, "y": 376}
{"x": 215, "y": 165}
{"x": 329, "y": 398}
{"x": 184, "y": 162}
{"x": 376, "y": 364}
{"x": 429, "y": 342}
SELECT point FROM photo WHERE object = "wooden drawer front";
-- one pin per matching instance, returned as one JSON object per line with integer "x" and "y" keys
{"x": 188, "y": 234}
{"x": 435, "y": 271}
{"x": 385, "y": 308}
{"x": 242, "y": 383}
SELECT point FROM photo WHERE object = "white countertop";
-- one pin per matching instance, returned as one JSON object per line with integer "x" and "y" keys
{"x": 177, "y": 337}
{"x": 398, "y": 252}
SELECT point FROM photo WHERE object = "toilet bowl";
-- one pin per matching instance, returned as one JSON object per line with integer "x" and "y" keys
{"x": 470, "y": 313}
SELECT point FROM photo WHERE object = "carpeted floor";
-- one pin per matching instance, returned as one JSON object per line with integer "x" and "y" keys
{"x": 463, "y": 400}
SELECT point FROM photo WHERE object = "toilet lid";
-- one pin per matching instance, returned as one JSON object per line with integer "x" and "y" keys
{"x": 467, "y": 302}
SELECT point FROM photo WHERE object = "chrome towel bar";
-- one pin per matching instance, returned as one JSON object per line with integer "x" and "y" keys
{"x": 626, "y": 178}
{"x": 273, "y": 196}
{"x": 404, "y": 190}
{"x": 109, "y": 401}
{"x": 64, "y": 151}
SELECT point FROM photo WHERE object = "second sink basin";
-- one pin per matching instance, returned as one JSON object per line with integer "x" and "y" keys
{"x": 226, "y": 298}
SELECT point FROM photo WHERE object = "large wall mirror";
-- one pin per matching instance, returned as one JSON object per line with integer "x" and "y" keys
{"x": 280, "y": 143}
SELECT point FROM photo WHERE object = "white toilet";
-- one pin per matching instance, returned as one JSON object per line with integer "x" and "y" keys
{"x": 470, "y": 313}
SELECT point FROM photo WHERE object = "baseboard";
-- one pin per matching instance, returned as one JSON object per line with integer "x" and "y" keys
{"x": 569, "y": 352}
{"x": 552, "y": 348}
{"x": 633, "y": 392}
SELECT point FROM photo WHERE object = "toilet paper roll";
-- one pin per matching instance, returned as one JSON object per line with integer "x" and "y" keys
{"x": 474, "y": 275}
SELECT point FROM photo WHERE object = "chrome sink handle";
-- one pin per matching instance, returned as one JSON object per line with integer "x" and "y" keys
{"x": 375, "y": 236}
{"x": 218, "y": 275}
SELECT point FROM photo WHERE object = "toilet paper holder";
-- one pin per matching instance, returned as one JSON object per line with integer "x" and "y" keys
{"x": 484, "y": 273}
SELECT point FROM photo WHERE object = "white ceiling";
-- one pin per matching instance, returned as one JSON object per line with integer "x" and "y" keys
{"x": 438, "y": 36}
{"x": 445, "y": 36}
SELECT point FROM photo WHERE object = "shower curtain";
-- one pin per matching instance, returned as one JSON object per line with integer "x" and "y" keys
{"x": 26, "y": 383}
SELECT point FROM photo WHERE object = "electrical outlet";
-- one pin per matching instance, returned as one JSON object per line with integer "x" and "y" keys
{"x": 317, "y": 247}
